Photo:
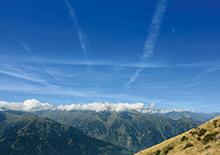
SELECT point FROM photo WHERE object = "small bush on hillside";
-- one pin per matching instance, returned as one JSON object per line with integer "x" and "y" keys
{"x": 168, "y": 149}
{"x": 202, "y": 132}
{"x": 209, "y": 137}
{"x": 157, "y": 152}
{"x": 184, "y": 138}
{"x": 188, "y": 145}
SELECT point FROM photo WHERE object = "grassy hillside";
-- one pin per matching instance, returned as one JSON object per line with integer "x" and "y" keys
{"x": 26, "y": 134}
{"x": 202, "y": 140}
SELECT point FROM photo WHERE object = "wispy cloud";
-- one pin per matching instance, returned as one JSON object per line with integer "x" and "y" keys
{"x": 44, "y": 88}
{"x": 154, "y": 28}
{"x": 209, "y": 64}
{"x": 208, "y": 71}
{"x": 24, "y": 77}
{"x": 78, "y": 29}
{"x": 192, "y": 84}
{"x": 26, "y": 49}
{"x": 134, "y": 77}
{"x": 104, "y": 63}
{"x": 151, "y": 40}
{"x": 57, "y": 90}
{"x": 9, "y": 70}
{"x": 12, "y": 35}
{"x": 198, "y": 80}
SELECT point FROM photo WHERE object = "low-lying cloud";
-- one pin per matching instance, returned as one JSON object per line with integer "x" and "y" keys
{"x": 27, "y": 105}
{"x": 35, "y": 105}
{"x": 97, "y": 106}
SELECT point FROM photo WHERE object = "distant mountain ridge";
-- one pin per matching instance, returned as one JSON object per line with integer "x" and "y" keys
{"x": 26, "y": 134}
{"x": 198, "y": 117}
{"x": 132, "y": 130}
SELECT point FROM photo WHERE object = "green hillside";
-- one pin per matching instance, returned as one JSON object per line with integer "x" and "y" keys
{"x": 26, "y": 134}
{"x": 131, "y": 130}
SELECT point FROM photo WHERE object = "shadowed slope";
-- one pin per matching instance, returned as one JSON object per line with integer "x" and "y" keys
{"x": 28, "y": 134}
{"x": 130, "y": 129}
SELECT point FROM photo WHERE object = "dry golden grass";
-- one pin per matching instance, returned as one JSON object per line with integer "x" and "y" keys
{"x": 202, "y": 140}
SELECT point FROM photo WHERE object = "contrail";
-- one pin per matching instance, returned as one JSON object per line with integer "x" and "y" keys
{"x": 134, "y": 77}
{"x": 151, "y": 40}
{"x": 207, "y": 71}
{"x": 79, "y": 32}
{"x": 26, "y": 48}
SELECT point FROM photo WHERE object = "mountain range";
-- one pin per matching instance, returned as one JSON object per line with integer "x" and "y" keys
{"x": 131, "y": 130}
{"x": 91, "y": 132}
{"x": 26, "y": 134}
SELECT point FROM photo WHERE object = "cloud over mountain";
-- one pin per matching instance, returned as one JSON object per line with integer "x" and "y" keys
{"x": 99, "y": 106}
{"x": 27, "y": 105}
{"x": 36, "y": 105}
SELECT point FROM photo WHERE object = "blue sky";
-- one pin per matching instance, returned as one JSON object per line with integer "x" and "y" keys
{"x": 67, "y": 51}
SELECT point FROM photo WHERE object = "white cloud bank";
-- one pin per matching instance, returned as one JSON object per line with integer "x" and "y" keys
{"x": 27, "y": 105}
{"x": 97, "y": 106}
{"x": 35, "y": 105}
